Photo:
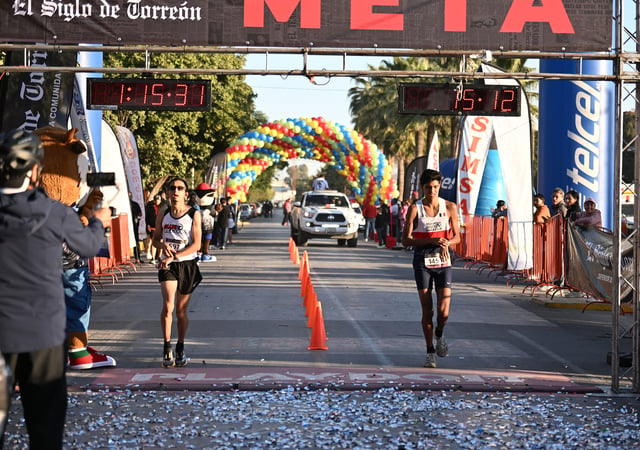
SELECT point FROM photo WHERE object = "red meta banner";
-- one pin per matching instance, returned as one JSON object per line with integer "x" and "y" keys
{"x": 537, "y": 25}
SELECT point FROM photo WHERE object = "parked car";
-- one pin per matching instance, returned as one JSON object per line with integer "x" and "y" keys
{"x": 245, "y": 212}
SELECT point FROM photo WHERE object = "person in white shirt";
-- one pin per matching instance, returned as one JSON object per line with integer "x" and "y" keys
{"x": 320, "y": 184}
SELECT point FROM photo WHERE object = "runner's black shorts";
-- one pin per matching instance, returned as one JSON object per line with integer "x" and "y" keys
{"x": 186, "y": 273}
{"x": 426, "y": 278}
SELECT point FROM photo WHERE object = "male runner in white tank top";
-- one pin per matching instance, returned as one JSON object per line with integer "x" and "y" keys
{"x": 431, "y": 226}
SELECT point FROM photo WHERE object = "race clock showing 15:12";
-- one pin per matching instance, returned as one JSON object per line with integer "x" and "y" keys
{"x": 459, "y": 99}
{"x": 153, "y": 94}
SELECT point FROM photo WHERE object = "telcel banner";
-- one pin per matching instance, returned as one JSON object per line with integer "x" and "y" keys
{"x": 577, "y": 134}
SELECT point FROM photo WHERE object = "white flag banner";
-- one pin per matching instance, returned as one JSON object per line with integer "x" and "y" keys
{"x": 513, "y": 139}
{"x": 115, "y": 196}
{"x": 477, "y": 132}
{"x": 433, "y": 157}
{"x": 129, "y": 150}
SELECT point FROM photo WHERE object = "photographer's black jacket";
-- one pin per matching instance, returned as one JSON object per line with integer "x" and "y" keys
{"x": 32, "y": 230}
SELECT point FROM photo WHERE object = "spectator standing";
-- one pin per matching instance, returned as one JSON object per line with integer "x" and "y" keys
{"x": 136, "y": 214}
{"x": 500, "y": 209}
{"x": 178, "y": 235}
{"x": 432, "y": 226}
{"x": 382, "y": 223}
{"x": 395, "y": 219}
{"x": 558, "y": 205}
{"x": 404, "y": 209}
{"x": 541, "y": 214}
{"x": 208, "y": 223}
{"x": 369, "y": 213}
{"x": 286, "y": 211}
{"x": 573, "y": 207}
{"x": 32, "y": 319}
{"x": 231, "y": 225}
{"x": 224, "y": 214}
{"x": 152, "y": 210}
{"x": 267, "y": 209}
{"x": 591, "y": 217}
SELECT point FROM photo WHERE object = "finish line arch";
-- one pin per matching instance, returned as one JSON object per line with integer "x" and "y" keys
{"x": 360, "y": 161}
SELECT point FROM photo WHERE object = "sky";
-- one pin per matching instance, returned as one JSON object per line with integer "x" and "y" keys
{"x": 296, "y": 96}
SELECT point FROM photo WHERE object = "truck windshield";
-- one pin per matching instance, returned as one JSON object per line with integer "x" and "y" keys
{"x": 323, "y": 200}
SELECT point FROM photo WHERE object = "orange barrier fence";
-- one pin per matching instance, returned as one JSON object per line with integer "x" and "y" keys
{"x": 119, "y": 246}
{"x": 485, "y": 242}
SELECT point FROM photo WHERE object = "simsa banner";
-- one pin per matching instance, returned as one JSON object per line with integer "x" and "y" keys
{"x": 550, "y": 25}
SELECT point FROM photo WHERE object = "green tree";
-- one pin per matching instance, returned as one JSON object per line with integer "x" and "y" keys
{"x": 182, "y": 142}
{"x": 374, "y": 107}
{"x": 261, "y": 189}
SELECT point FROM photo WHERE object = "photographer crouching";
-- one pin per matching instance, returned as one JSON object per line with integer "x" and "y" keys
{"x": 33, "y": 228}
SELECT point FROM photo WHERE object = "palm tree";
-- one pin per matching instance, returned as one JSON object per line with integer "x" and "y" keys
{"x": 374, "y": 107}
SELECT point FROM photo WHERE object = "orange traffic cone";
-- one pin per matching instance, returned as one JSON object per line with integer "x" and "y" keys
{"x": 303, "y": 265}
{"x": 310, "y": 301}
{"x": 311, "y": 310}
{"x": 303, "y": 287}
{"x": 306, "y": 289}
{"x": 318, "y": 335}
{"x": 296, "y": 257}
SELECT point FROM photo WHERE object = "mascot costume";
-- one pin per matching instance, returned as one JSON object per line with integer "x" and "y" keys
{"x": 65, "y": 167}
{"x": 205, "y": 197}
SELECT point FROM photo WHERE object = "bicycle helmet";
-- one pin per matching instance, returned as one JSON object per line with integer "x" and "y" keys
{"x": 19, "y": 152}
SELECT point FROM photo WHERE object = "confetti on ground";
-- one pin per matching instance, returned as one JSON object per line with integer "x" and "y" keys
{"x": 328, "y": 419}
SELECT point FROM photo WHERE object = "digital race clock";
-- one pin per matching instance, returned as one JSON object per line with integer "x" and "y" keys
{"x": 148, "y": 94}
{"x": 455, "y": 99}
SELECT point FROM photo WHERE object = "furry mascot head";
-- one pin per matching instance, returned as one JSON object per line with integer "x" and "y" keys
{"x": 65, "y": 169}
{"x": 65, "y": 166}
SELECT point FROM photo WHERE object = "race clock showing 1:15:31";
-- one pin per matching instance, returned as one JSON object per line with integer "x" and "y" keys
{"x": 459, "y": 99}
{"x": 148, "y": 94}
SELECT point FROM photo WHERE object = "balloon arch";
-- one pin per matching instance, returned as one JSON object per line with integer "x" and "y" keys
{"x": 357, "y": 159}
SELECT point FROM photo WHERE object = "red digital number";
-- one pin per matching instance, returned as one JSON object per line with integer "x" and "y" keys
{"x": 508, "y": 100}
{"x": 138, "y": 94}
{"x": 197, "y": 95}
{"x": 157, "y": 94}
{"x": 466, "y": 101}
{"x": 181, "y": 94}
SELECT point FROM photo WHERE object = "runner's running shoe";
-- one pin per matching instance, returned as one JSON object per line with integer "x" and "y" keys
{"x": 167, "y": 361}
{"x": 181, "y": 359}
{"x": 442, "y": 348}
{"x": 430, "y": 361}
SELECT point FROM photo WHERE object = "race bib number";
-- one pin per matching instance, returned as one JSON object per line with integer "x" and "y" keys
{"x": 435, "y": 260}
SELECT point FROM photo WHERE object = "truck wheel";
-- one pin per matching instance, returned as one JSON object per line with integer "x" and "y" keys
{"x": 342, "y": 242}
{"x": 353, "y": 242}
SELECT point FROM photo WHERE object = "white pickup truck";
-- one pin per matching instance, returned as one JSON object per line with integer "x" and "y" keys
{"x": 324, "y": 215}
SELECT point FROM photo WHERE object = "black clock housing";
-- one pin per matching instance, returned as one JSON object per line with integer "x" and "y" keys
{"x": 152, "y": 94}
{"x": 459, "y": 99}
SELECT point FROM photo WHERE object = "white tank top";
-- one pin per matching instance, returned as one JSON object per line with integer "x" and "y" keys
{"x": 434, "y": 227}
{"x": 177, "y": 232}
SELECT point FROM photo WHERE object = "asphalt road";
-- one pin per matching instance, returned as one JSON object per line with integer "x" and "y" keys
{"x": 248, "y": 314}
{"x": 519, "y": 374}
